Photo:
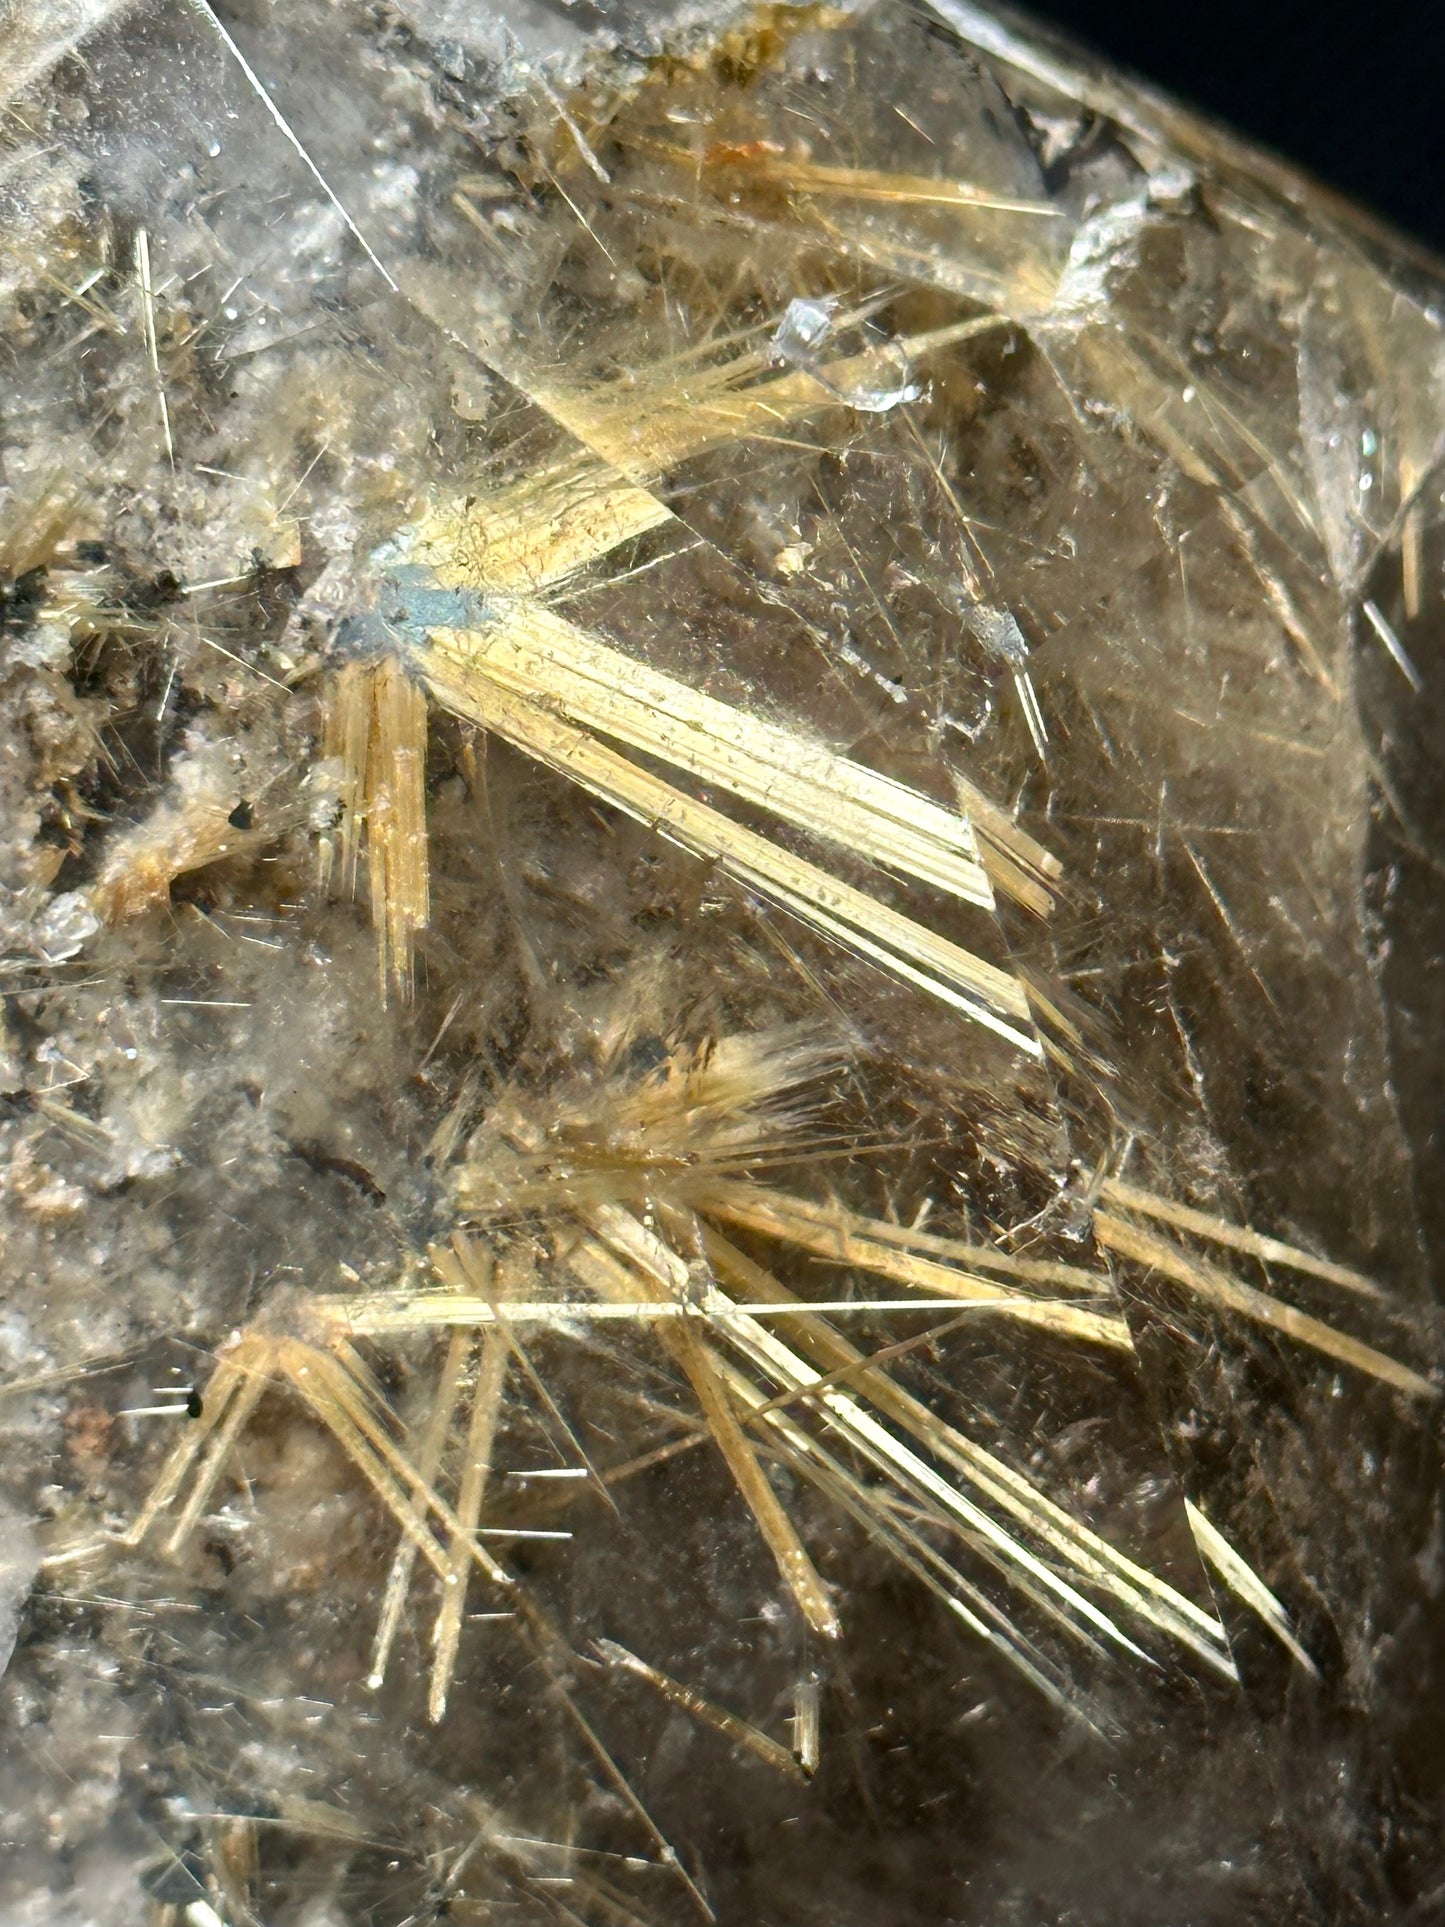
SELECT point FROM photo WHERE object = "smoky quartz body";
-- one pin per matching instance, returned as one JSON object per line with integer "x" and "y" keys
{"x": 720, "y": 811}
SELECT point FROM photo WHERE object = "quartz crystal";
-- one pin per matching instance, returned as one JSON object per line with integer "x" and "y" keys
{"x": 722, "y": 937}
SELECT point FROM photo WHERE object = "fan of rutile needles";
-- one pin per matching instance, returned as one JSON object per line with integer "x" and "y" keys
{"x": 631, "y": 1190}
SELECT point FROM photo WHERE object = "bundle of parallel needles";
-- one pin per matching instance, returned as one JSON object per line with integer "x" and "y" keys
{"x": 677, "y": 832}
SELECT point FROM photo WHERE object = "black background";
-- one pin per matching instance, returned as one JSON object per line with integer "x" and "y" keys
{"x": 1355, "y": 94}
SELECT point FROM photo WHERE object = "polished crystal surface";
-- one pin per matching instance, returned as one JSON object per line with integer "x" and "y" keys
{"x": 722, "y": 953}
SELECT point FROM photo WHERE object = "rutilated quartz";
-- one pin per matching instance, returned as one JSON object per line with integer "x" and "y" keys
{"x": 711, "y": 751}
